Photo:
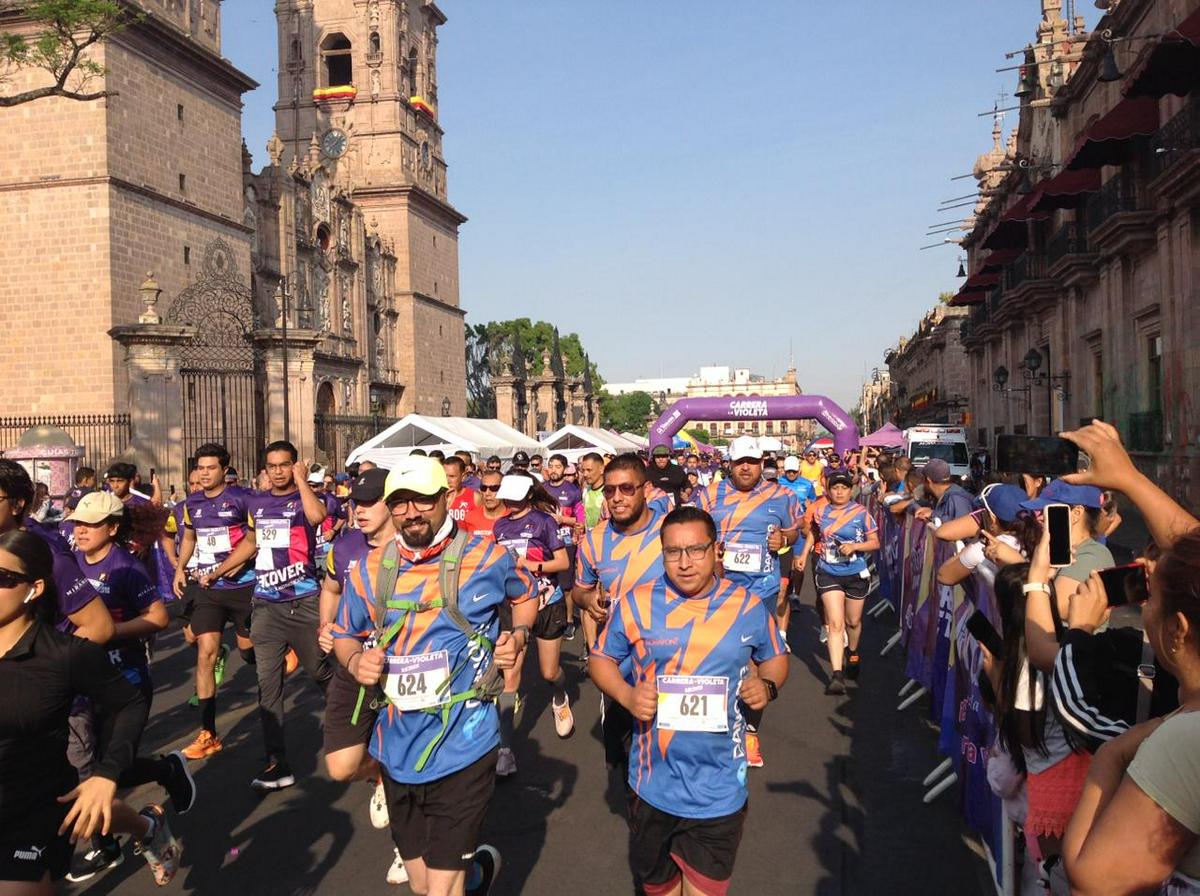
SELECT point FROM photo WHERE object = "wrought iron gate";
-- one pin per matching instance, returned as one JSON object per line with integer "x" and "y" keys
{"x": 221, "y": 372}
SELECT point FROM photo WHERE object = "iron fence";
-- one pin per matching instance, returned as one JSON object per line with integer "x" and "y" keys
{"x": 1176, "y": 138}
{"x": 102, "y": 436}
{"x": 1071, "y": 239}
{"x": 339, "y": 434}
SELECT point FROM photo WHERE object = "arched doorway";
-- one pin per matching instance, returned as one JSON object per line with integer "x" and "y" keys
{"x": 326, "y": 435}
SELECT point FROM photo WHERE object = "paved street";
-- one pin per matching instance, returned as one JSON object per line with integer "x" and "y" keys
{"x": 836, "y": 810}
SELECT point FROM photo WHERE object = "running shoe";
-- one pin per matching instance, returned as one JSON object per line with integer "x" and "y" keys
{"x": 161, "y": 850}
{"x": 753, "y": 750}
{"x": 853, "y": 665}
{"x": 397, "y": 874}
{"x": 564, "y": 721}
{"x": 180, "y": 786}
{"x": 96, "y": 860}
{"x": 379, "y": 812}
{"x": 836, "y": 686}
{"x": 824, "y": 636}
{"x": 569, "y": 631}
{"x": 219, "y": 665}
{"x": 291, "y": 662}
{"x": 487, "y": 859}
{"x": 205, "y": 744}
{"x": 506, "y": 763}
{"x": 194, "y": 700}
{"x": 276, "y": 776}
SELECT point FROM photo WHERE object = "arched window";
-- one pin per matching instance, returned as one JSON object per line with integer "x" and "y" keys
{"x": 375, "y": 42}
{"x": 337, "y": 61}
{"x": 413, "y": 89}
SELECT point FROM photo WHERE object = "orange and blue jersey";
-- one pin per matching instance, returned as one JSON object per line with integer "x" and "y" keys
{"x": 219, "y": 524}
{"x": 621, "y": 561}
{"x": 695, "y": 642}
{"x": 285, "y": 565}
{"x": 848, "y": 524}
{"x": 488, "y": 576}
{"x": 744, "y": 521}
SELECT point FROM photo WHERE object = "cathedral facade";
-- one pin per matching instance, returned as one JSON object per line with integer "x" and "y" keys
{"x": 191, "y": 298}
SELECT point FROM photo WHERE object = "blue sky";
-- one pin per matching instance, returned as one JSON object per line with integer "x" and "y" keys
{"x": 687, "y": 182}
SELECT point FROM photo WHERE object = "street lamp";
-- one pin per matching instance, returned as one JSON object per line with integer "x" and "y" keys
{"x": 446, "y": 406}
{"x": 1000, "y": 383}
{"x": 1057, "y": 382}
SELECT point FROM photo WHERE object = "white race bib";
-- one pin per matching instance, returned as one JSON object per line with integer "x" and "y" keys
{"x": 520, "y": 545}
{"x": 693, "y": 703}
{"x": 210, "y": 542}
{"x": 417, "y": 682}
{"x": 743, "y": 557}
{"x": 273, "y": 534}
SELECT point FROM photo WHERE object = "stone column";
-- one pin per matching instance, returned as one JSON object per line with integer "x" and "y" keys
{"x": 152, "y": 353}
{"x": 547, "y": 399}
{"x": 298, "y": 383}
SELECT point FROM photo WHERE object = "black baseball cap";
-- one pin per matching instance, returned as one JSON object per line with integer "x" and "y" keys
{"x": 121, "y": 471}
{"x": 839, "y": 476}
{"x": 520, "y": 459}
{"x": 369, "y": 486}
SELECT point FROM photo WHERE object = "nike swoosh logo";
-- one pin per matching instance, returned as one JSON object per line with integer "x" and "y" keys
{"x": 476, "y": 599}
{"x": 747, "y": 638}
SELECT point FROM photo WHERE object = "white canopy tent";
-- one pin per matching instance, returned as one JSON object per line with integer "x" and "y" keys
{"x": 482, "y": 438}
{"x": 575, "y": 441}
{"x": 641, "y": 441}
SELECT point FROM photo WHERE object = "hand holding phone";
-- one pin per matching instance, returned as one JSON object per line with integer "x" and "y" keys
{"x": 1128, "y": 584}
{"x": 1057, "y": 520}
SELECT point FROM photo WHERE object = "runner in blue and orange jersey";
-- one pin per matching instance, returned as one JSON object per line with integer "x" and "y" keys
{"x": 693, "y": 640}
{"x": 437, "y": 735}
{"x": 755, "y": 519}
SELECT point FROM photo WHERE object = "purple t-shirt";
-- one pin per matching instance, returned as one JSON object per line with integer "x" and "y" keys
{"x": 74, "y": 590}
{"x": 570, "y": 503}
{"x": 534, "y": 537}
{"x": 348, "y": 549}
{"x": 121, "y": 581}
{"x": 285, "y": 565}
{"x": 220, "y": 525}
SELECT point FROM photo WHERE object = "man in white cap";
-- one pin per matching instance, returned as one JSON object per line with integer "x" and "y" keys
{"x": 755, "y": 519}
{"x": 419, "y": 629}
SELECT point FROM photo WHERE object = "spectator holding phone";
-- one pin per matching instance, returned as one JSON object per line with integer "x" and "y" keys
{"x": 1137, "y": 828}
{"x": 1002, "y": 521}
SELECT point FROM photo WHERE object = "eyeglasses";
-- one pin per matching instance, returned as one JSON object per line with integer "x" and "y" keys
{"x": 694, "y": 552}
{"x": 489, "y": 488}
{"x": 747, "y": 461}
{"x": 421, "y": 503}
{"x": 286, "y": 465}
{"x": 10, "y": 579}
{"x": 628, "y": 489}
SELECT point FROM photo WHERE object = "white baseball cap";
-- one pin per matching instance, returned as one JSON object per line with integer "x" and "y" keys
{"x": 745, "y": 446}
{"x": 317, "y": 476}
{"x": 791, "y": 463}
{"x": 514, "y": 488}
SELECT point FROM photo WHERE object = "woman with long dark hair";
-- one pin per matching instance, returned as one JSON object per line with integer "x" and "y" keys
{"x": 44, "y": 807}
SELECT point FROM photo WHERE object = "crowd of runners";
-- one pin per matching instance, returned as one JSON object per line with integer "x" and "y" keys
{"x": 410, "y": 597}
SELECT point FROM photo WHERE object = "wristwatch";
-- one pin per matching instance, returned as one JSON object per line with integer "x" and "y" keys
{"x": 522, "y": 628}
{"x": 772, "y": 689}
{"x": 1030, "y": 587}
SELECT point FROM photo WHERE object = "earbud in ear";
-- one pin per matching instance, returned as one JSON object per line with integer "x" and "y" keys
{"x": 30, "y": 596}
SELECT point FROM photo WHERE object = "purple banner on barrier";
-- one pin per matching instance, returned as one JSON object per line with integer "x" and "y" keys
{"x": 919, "y": 581}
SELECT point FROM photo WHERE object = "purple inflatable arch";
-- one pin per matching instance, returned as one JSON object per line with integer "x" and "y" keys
{"x": 757, "y": 407}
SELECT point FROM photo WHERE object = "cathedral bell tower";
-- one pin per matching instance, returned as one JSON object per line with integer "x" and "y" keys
{"x": 360, "y": 76}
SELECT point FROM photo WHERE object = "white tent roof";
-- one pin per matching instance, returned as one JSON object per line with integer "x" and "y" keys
{"x": 576, "y": 441}
{"x": 481, "y": 437}
{"x": 640, "y": 441}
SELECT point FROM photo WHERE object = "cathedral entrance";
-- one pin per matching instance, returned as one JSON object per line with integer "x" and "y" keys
{"x": 221, "y": 373}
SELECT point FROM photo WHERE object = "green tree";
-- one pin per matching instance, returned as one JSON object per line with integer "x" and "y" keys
{"x": 481, "y": 397}
{"x": 628, "y": 412}
{"x": 66, "y": 30}
{"x": 945, "y": 297}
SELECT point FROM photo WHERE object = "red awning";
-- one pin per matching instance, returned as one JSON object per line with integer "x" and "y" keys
{"x": 1067, "y": 189}
{"x": 1171, "y": 66}
{"x": 976, "y": 287}
{"x": 1010, "y": 231}
{"x": 998, "y": 259}
{"x": 1109, "y": 139}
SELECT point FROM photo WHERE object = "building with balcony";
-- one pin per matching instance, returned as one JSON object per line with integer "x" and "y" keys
{"x": 928, "y": 371}
{"x": 1083, "y": 254}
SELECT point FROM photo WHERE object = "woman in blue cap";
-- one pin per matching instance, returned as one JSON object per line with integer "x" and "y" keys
{"x": 1001, "y": 521}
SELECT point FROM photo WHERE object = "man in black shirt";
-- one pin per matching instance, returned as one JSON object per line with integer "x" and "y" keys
{"x": 665, "y": 475}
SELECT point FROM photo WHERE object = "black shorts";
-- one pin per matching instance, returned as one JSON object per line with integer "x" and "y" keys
{"x": 785, "y": 564}
{"x": 440, "y": 821}
{"x": 551, "y": 621}
{"x": 854, "y": 587}
{"x": 663, "y": 847}
{"x": 340, "y": 700}
{"x": 214, "y": 607}
{"x": 566, "y": 578}
{"x": 31, "y": 849}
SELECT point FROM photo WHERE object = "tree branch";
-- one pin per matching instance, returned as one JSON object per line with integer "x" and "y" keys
{"x": 53, "y": 90}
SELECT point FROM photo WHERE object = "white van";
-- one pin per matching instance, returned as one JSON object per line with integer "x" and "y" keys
{"x": 927, "y": 441}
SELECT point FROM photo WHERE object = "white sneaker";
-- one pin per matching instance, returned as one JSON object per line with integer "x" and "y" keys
{"x": 824, "y": 634}
{"x": 397, "y": 874}
{"x": 379, "y": 812}
{"x": 506, "y": 763}
{"x": 564, "y": 721}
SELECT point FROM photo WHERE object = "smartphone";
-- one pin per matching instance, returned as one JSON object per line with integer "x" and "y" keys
{"x": 985, "y": 633}
{"x": 1125, "y": 584}
{"x": 1057, "y": 519}
{"x": 1041, "y": 455}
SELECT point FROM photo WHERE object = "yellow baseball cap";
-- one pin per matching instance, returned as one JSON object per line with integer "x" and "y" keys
{"x": 96, "y": 507}
{"x": 421, "y": 475}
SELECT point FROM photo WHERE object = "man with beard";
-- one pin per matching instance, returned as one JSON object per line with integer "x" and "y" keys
{"x": 419, "y": 629}
{"x": 617, "y": 556}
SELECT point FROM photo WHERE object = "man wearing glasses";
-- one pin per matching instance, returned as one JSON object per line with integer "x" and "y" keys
{"x": 691, "y": 639}
{"x": 755, "y": 518}
{"x": 620, "y": 554}
{"x": 431, "y": 665}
